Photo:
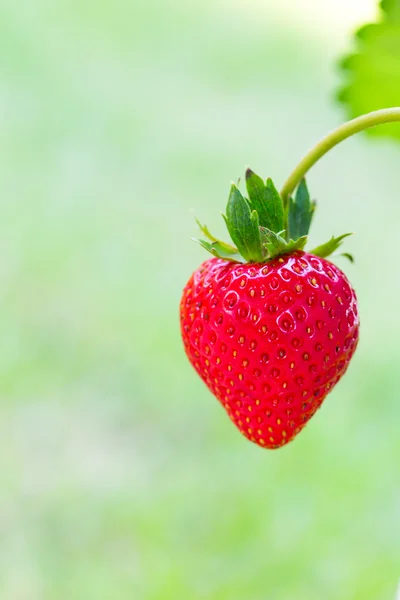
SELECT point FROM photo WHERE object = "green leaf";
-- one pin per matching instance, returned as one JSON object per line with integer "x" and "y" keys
{"x": 276, "y": 244}
{"x": 276, "y": 210}
{"x": 372, "y": 71}
{"x": 265, "y": 199}
{"x": 243, "y": 226}
{"x": 207, "y": 233}
{"x": 349, "y": 256}
{"x": 256, "y": 191}
{"x": 300, "y": 212}
{"x": 329, "y": 247}
{"x": 298, "y": 244}
{"x": 220, "y": 250}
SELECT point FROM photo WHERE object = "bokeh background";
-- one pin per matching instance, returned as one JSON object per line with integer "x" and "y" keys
{"x": 120, "y": 476}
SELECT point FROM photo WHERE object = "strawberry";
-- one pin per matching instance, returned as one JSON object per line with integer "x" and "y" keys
{"x": 269, "y": 327}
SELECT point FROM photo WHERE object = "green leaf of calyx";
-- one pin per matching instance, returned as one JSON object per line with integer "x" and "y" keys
{"x": 204, "y": 229}
{"x": 298, "y": 244}
{"x": 300, "y": 212}
{"x": 276, "y": 245}
{"x": 328, "y": 248}
{"x": 243, "y": 226}
{"x": 265, "y": 199}
{"x": 349, "y": 256}
{"x": 273, "y": 242}
{"x": 372, "y": 71}
{"x": 220, "y": 250}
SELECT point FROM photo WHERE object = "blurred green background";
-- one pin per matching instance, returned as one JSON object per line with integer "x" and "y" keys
{"x": 120, "y": 475}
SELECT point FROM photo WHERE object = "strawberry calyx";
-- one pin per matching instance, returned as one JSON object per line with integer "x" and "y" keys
{"x": 263, "y": 227}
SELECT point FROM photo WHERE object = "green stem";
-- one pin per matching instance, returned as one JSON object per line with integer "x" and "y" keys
{"x": 378, "y": 117}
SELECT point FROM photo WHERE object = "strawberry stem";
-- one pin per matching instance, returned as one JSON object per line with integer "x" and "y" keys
{"x": 378, "y": 117}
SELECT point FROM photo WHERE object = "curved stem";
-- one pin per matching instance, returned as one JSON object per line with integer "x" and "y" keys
{"x": 378, "y": 117}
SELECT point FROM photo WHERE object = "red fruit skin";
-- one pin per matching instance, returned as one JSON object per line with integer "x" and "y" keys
{"x": 270, "y": 340}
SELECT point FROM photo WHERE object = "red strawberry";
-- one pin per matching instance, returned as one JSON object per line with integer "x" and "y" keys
{"x": 270, "y": 340}
{"x": 271, "y": 336}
